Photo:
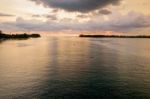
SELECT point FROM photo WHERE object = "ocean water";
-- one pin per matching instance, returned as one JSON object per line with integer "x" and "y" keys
{"x": 68, "y": 67}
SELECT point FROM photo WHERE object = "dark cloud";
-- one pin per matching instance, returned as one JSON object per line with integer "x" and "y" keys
{"x": 105, "y": 12}
{"x": 82, "y": 16}
{"x": 77, "y": 5}
{"x": 55, "y": 10}
{"x": 6, "y": 15}
{"x": 50, "y": 17}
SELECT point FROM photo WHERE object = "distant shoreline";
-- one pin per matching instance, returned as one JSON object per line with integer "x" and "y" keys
{"x": 18, "y": 36}
{"x": 113, "y": 36}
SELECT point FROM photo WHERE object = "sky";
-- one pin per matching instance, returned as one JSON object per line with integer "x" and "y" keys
{"x": 94, "y": 16}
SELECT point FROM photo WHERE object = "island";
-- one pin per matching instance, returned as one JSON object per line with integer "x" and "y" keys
{"x": 114, "y": 36}
{"x": 18, "y": 36}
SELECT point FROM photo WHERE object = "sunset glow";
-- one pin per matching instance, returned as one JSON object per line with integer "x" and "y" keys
{"x": 52, "y": 16}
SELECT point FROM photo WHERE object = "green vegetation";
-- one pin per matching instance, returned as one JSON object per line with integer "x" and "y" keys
{"x": 18, "y": 36}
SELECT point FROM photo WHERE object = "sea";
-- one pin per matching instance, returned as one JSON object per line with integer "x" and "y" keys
{"x": 70, "y": 67}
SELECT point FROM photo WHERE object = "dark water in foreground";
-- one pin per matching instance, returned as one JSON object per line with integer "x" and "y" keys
{"x": 75, "y": 68}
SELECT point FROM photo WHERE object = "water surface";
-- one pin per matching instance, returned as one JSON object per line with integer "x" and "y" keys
{"x": 75, "y": 68}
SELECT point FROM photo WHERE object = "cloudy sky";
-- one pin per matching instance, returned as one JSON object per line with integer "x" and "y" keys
{"x": 125, "y": 16}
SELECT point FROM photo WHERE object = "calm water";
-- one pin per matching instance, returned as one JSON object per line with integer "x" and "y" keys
{"x": 75, "y": 68}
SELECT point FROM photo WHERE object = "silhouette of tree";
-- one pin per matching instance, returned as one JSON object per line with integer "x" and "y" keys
{"x": 1, "y": 32}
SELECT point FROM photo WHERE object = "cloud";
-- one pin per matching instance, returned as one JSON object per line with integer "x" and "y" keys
{"x": 105, "y": 12}
{"x": 47, "y": 16}
{"x": 24, "y": 25}
{"x": 36, "y": 16}
{"x": 82, "y": 16}
{"x": 130, "y": 21}
{"x": 118, "y": 23}
{"x": 51, "y": 17}
{"x": 77, "y": 5}
{"x": 6, "y": 15}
